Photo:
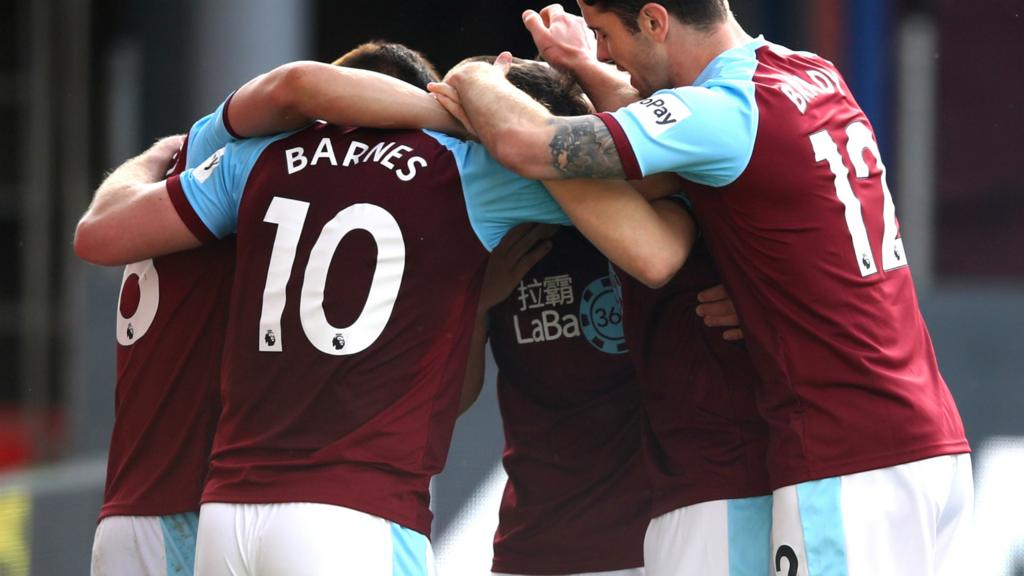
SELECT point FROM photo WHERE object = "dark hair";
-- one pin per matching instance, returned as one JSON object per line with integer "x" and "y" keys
{"x": 557, "y": 91}
{"x": 701, "y": 14}
{"x": 393, "y": 59}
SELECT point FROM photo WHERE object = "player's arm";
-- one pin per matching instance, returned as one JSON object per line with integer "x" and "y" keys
{"x": 565, "y": 42}
{"x": 703, "y": 133}
{"x": 521, "y": 133}
{"x": 131, "y": 216}
{"x": 295, "y": 94}
{"x": 510, "y": 260}
{"x": 649, "y": 240}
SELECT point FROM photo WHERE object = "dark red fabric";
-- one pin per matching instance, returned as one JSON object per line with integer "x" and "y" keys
{"x": 703, "y": 437}
{"x": 166, "y": 398}
{"x": 577, "y": 499}
{"x": 850, "y": 380}
{"x": 366, "y": 430}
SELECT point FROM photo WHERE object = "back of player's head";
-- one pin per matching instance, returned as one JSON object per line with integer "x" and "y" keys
{"x": 557, "y": 91}
{"x": 701, "y": 14}
{"x": 396, "y": 60}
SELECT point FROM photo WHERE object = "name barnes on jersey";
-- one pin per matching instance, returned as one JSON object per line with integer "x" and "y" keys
{"x": 388, "y": 154}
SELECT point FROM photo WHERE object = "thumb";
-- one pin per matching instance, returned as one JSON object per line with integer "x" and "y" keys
{"x": 503, "y": 62}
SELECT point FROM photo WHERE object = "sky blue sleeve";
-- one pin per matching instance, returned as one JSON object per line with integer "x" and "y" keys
{"x": 497, "y": 198}
{"x": 209, "y": 134}
{"x": 703, "y": 133}
{"x": 214, "y": 187}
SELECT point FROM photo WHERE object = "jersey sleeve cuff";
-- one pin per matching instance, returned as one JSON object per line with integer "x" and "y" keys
{"x": 626, "y": 154}
{"x": 224, "y": 118}
{"x": 186, "y": 212}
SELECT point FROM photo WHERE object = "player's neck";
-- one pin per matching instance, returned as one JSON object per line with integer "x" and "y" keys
{"x": 698, "y": 49}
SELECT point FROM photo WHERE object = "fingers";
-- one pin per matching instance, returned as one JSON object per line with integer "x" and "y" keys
{"x": 713, "y": 294}
{"x": 733, "y": 335}
{"x": 448, "y": 97}
{"x": 512, "y": 237}
{"x": 719, "y": 308}
{"x": 551, "y": 12}
{"x": 533, "y": 236}
{"x": 530, "y": 259}
{"x": 720, "y": 321}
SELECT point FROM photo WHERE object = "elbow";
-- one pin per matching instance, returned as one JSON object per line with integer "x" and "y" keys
{"x": 286, "y": 85}
{"x": 656, "y": 270}
{"x": 90, "y": 246}
{"x": 85, "y": 244}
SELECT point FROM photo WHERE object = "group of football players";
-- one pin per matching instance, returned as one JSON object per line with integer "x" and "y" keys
{"x": 678, "y": 240}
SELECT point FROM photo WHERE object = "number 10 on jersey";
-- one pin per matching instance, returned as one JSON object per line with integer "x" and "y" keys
{"x": 290, "y": 217}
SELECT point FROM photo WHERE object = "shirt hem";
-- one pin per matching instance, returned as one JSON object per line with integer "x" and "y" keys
{"x": 555, "y": 569}
{"x": 225, "y": 497}
{"x": 845, "y": 468}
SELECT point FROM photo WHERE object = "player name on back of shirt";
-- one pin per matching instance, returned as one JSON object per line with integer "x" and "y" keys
{"x": 391, "y": 155}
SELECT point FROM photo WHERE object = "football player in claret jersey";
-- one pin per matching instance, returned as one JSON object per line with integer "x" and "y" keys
{"x": 577, "y": 499}
{"x": 171, "y": 320}
{"x": 866, "y": 445}
{"x": 355, "y": 291}
{"x": 704, "y": 440}
{"x": 167, "y": 398}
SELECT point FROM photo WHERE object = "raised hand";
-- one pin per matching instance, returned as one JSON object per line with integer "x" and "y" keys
{"x": 562, "y": 39}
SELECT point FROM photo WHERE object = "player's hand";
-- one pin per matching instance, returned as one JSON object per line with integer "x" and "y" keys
{"x": 563, "y": 39}
{"x": 448, "y": 97}
{"x": 518, "y": 251}
{"x": 165, "y": 148}
{"x": 717, "y": 310}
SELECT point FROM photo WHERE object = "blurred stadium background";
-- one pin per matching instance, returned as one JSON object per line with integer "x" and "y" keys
{"x": 86, "y": 83}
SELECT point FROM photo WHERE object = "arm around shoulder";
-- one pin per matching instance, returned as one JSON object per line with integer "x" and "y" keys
{"x": 131, "y": 216}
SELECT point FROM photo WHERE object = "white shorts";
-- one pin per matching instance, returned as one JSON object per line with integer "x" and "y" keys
{"x": 145, "y": 545}
{"x": 718, "y": 538}
{"x": 909, "y": 520}
{"x": 308, "y": 539}
{"x": 629, "y": 572}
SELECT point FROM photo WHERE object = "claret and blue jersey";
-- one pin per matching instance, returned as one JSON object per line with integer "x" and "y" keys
{"x": 788, "y": 184}
{"x": 171, "y": 321}
{"x": 359, "y": 263}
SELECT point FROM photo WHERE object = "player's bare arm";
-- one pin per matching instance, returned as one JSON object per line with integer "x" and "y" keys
{"x": 649, "y": 240}
{"x": 565, "y": 42}
{"x": 521, "y": 133}
{"x": 511, "y": 259}
{"x": 131, "y": 217}
{"x": 295, "y": 94}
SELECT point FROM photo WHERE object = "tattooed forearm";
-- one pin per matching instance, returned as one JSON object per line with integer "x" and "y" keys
{"x": 583, "y": 148}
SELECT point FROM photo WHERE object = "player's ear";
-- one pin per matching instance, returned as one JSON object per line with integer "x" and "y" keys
{"x": 653, "y": 21}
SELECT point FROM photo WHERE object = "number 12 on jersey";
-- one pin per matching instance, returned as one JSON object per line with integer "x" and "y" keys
{"x": 859, "y": 140}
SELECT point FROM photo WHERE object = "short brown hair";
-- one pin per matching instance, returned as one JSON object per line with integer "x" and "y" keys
{"x": 396, "y": 60}
{"x": 701, "y": 14}
{"x": 557, "y": 91}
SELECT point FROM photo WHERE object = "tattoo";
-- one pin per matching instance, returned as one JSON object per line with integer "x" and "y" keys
{"x": 583, "y": 148}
